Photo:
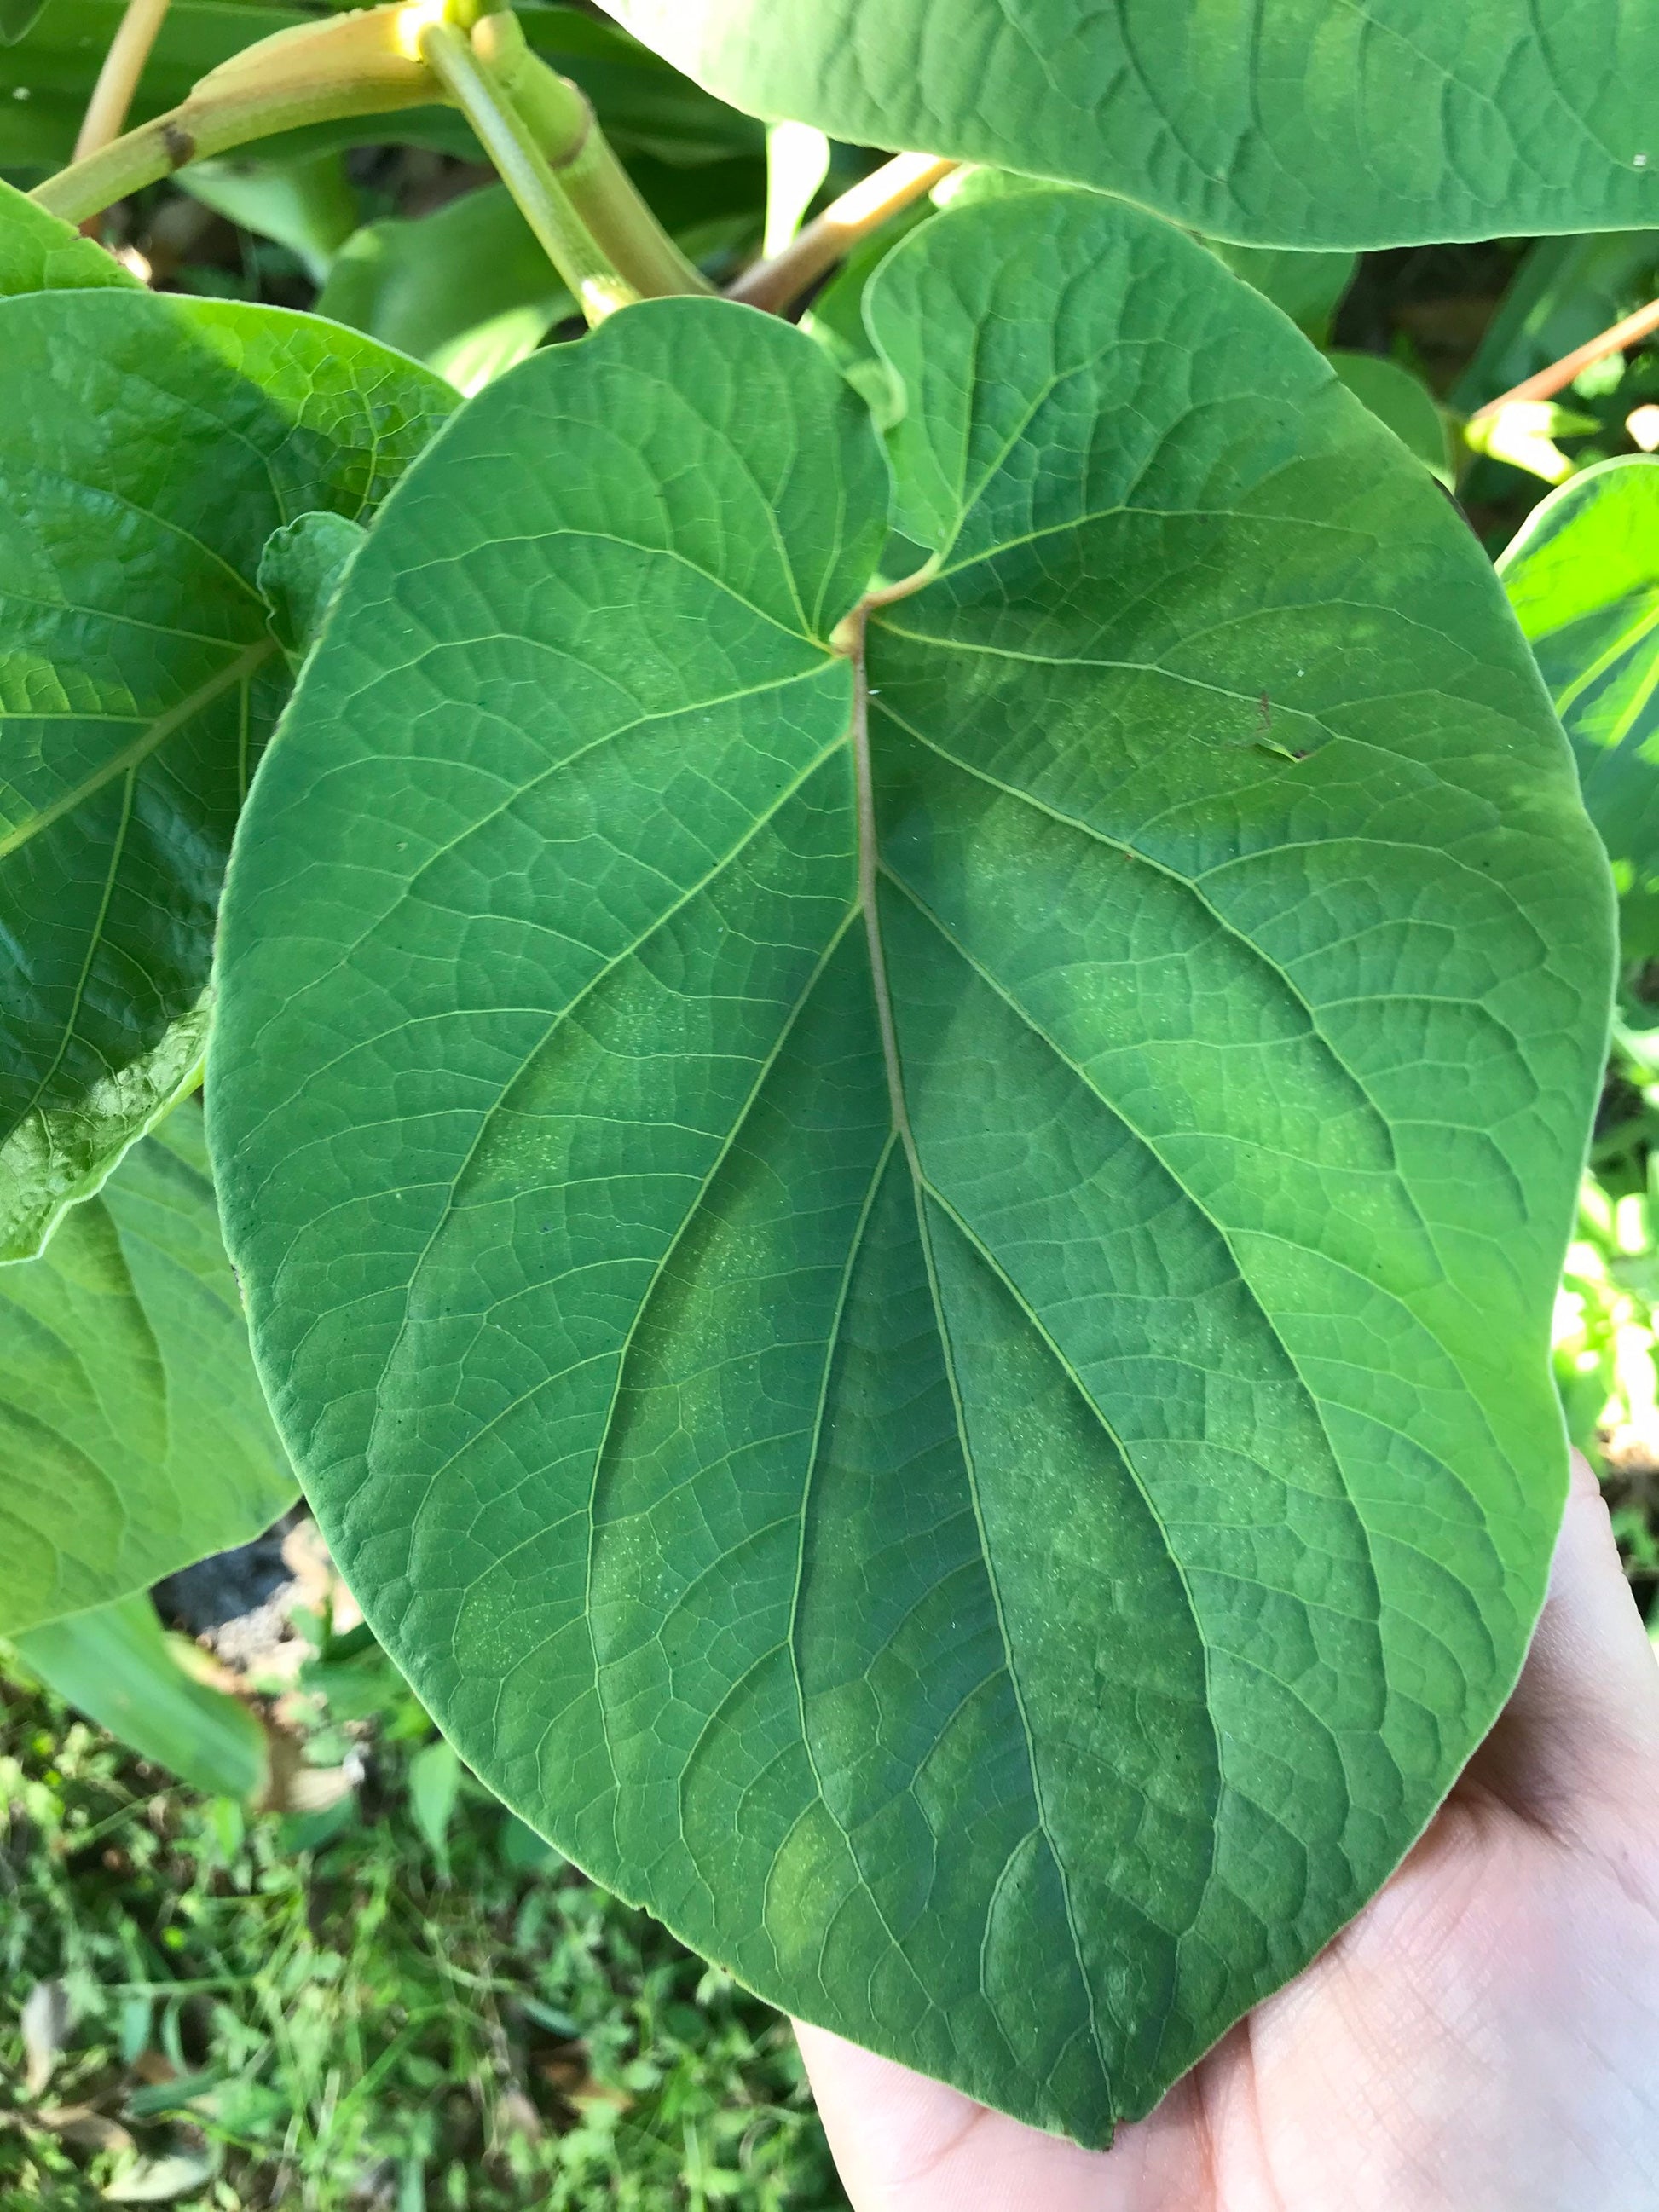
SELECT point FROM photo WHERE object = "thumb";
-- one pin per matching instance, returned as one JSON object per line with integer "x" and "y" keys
{"x": 1580, "y": 1737}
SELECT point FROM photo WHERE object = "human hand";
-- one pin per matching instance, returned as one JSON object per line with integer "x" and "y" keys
{"x": 1484, "y": 2037}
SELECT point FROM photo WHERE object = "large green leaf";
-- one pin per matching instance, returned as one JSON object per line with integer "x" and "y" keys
{"x": 1276, "y": 122}
{"x": 38, "y": 253}
{"x": 148, "y": 448}
{"x": 115, "y": 1665}
{"x": 926, "y": 1329}
{"x": 1583, "y": 578}
{"x": 133, "y": 1438}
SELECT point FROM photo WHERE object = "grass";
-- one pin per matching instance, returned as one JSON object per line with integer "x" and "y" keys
{"x": 369, "y": 2007}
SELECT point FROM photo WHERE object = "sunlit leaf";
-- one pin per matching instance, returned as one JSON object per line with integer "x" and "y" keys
{"x": 1583, "y": 578}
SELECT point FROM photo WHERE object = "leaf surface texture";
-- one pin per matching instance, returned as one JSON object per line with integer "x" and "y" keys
{"x": 914, "y": 1283}
{"x": 150, "y": 447}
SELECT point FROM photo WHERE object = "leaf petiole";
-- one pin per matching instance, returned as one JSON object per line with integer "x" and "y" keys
{"x": 364, "y": 63}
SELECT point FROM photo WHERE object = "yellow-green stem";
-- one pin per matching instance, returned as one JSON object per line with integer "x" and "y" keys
{"x": 598, "y": 287}
{"x": 597, "y": 190}
{"x": 350, "y": 66}
{"x": 117, "y": 80}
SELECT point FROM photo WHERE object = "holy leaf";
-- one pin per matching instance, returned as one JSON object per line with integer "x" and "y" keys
{"x": 133, "y": 1438}
{"x": 906, "y": 1237}
{"x": 1278, "y": 123}
{"x": 148, "y": 448}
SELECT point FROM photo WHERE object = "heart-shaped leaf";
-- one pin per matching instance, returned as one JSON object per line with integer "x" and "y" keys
{"x": 907, "y": 1244}
{"x": 148, "y": 448}
{"x": 1583, "y": 578}
{"x": 1282, "y": 122}
{"x": 133, "y": 1438}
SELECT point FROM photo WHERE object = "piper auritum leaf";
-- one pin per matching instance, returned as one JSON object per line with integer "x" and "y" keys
{"x": 1269, "y": 122}
{"x": 148, "y": 448}
{"x": 906, "y": 1241}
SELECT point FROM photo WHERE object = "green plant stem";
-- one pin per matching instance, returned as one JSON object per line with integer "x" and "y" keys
{"x": 597, "y": 190}
{"x": 117, "y": 80}
{"x": 776, "y": 284}
{"x": 350, "y": 66}
{"x": 594, "y": 280}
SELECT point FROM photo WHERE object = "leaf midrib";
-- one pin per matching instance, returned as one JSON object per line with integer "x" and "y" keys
{"x": 149, "y": 741}
{"x": 868, "y": 868}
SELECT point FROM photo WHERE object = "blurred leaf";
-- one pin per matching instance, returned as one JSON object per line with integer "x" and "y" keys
{"x": 134, "y": 1436}
{"x": 305, "y": 202}
{"x": 299, "y": 571}
{"x": 17, "y": 19}
{"x": 114, "y": 1665}
{"x": 434, "y": 1784}
{"x": 136, "y": 2013}
{"x": 1565, "y": 291}
{"x": 38, "y": 253}
{"x": 172, "y": 2096}
{"x": 45, "y": 2024}
{"x": 469, "y": 290}
{"x": 161, "y": 2180}
{"x": 1405, "y": 403}
{"x": 523, "y": 1849}
{"x": 1308, "y": 287}
{"x": 1583, "y": 577}
{"x": 47, "y": 76}
{"x": 369, "y": 1687}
